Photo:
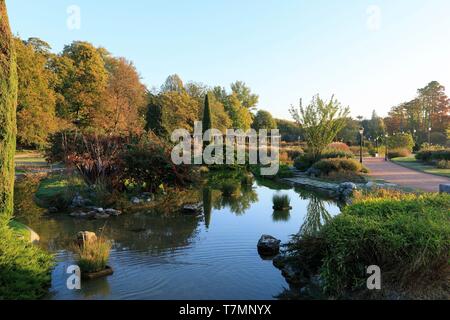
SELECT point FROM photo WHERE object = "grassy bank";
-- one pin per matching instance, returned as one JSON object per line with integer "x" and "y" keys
{"x": 412, "y": 163}
{"x": 24, "y": 268}
{"x": 406, "y": 235}
{"x": 20, "y": 229}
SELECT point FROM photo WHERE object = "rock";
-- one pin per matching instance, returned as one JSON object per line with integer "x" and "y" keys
{"x": 136, "y": 200}
{"x": 113, "y": 212}
{"x": 346, "y": 189}
{"x": 370, "y": 185}
{"x": 79, "y": 202}
{"x": 53, "y": 210}
{"x": 193, "y": 209}
{"x": 101, "y": 215}
{"x": 268, "y": 246}
{"x": 444, "y": 188}
{"x": 313, "y": 172}
{"x": 99, "y": 210}
{"x": 84, "y": 237}
{"x": 317, "y": 281}
{"x": 81, "y": 214}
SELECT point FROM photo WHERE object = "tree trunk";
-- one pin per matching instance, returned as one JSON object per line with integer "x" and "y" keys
{"x": 8, "y": 102}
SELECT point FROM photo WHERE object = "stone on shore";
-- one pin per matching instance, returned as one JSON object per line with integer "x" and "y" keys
{"x": 84, "y": 237}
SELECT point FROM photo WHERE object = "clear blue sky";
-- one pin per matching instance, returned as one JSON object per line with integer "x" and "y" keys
{"x": 284, "y": 50}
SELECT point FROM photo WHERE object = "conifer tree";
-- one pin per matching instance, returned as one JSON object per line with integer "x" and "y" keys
{"x": 8, "y": 102}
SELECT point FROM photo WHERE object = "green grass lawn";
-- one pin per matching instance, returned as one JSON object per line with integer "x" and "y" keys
{"x": 412, "y": 163}
{"x": 20, "y": 229}
{"x": 30, "y": 159}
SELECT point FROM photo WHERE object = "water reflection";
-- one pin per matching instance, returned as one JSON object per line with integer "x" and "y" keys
{"x": 281, "y": 215}
{"x": 171, "y": 256}
{"x": 317, "y": 215}
{"x": 239, "y": 202}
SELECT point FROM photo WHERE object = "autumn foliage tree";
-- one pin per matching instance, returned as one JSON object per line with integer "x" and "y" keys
{"x": 36, "y": 113}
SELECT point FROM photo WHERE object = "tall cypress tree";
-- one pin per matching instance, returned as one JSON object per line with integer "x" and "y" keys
{"x": 8, "y": 102}
{"x": 207, "y": 116}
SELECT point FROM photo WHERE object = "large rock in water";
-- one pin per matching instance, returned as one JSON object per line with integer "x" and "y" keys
{"x": 268, "y": 246}
{"x": 84, "y": 237}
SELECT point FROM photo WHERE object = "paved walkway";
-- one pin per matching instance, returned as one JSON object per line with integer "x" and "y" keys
{"x": 393, "y": 173}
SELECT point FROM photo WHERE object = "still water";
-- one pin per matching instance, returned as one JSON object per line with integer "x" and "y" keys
{"x": 180, "y": 257}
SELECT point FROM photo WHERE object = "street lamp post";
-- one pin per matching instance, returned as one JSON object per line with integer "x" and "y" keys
{"x": 386, "y": 158}
{"x": 361, "y": 132}
{"x": 429, "y": 135}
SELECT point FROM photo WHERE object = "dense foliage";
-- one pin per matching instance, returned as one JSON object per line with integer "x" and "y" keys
{"x": 327, "y": 166}
{"x": 24, "y": 268}
{"x": 322, "y": 121}
{"x": 406, "y": 235}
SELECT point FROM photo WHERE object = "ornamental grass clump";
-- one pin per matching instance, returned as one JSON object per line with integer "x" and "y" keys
{"x": 281, "y": 202}
{"x": 93, "y": 256}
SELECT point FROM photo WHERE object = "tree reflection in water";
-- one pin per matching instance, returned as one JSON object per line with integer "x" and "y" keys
{"x": 239, "y": 202}
{"x": 317, "y": 214}
{"x": 281, "y": 216}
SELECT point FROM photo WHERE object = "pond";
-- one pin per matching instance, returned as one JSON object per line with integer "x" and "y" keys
{"x": 179, "y": 257}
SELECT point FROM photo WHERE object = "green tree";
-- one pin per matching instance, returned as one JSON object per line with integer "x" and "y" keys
{"x": 401, "y": 141}
{"x": 350, "y": 133}
{"x": 264, "y": 120}
{"x": 85, "y": 82}
{"x": 8, "y": 102}
{"x": 322, "y": 121}
{"x": 173, "y": 84}
{"x": 207, "y": 116}
{"x": 36, "y": 117}
{"x": 220, "y": 118}
{"x": 240, "y": 116}
{"x": 244, "y": 95}
{"x": 289, "y": 130}
{"x": 375, "y": 127}
{"x": 172, "y": 110}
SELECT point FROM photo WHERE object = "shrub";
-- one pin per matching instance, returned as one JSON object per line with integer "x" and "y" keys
{"x": 443, "y": 164}
{"x": 356, "y": 151}
{"x": 398, "y": 153}
{"x": 327, "y": 166}
{"x": 25, "y": 269}
{"x": 96, "y": 157}
{"x": 93, "y": 256}
{"x": 339, "y": 146}
{"x": 304, "y": 162}
{"x": 430, "y": 153}
{"x": 401, "y": 141}
{"x": 148, "y": 164}
{"x": 294, "y": 153}
{"x": 336, "y": 153}
{"x": 406, "y": 235}
{"x": 281, "y": 202}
